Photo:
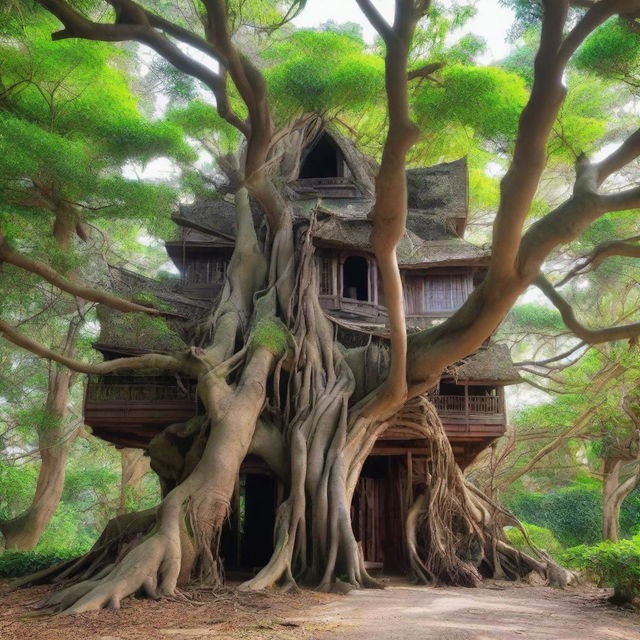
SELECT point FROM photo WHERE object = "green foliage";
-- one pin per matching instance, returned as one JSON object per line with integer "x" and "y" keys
{"x": 201, "y": 120}
{"x": 612, "y": 564}
{"x": 612, "y": 52}
{"x": 69, "y": 119}
{"x": 487, "y": 100}
{"x": 573, "y": 514}
{"x": 14, "y": 564}
{"x": 321, "y": 71}
{"x": 539, "y": 536}
{"x": 532, "y": 316}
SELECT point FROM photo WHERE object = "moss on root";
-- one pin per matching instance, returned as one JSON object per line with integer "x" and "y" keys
{"x": 271, "y": 334}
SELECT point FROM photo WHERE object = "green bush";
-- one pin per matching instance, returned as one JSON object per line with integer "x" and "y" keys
{"x": 539, "y": 536}
{"x": 573, "y": 514}
{"x": 611, "y": 564}
{"x": 14, "y": 564}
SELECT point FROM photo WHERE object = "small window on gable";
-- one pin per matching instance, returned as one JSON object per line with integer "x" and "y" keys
{"x": 323, "y": 160}
{"x": 446, "y": 293}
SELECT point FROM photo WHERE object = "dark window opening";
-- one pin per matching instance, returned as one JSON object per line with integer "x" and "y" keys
{"x": 205, "y": 270}
{"x": 355, "y": 278}
{"x": 324, "y": 160}
{"x": 450, "y": 389}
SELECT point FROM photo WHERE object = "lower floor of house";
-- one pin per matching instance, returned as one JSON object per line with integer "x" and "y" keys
{"x": 387, "y": 487}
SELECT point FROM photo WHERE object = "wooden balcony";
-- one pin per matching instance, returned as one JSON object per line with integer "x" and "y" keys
{"x": 129, "y": 411}
{"x": 471, "y": 417}
{"x": 468, "y": 405}
{"x": 134, "y": 409}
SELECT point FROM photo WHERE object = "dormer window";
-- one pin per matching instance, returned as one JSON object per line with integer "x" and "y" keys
{"x": 323, "y": 160}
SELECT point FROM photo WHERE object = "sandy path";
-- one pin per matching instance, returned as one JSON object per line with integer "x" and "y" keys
{"x": 497, "y": 611}
{"x": 493, "y": 613}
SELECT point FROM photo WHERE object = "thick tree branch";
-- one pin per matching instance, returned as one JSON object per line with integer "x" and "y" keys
{"x": 151, "y": 360}
{"x": 590, "y": 336}
{"x": 425, "y": 70}
{"x": 375, "y": 18}
{"x": 629, "y": 199}
{"x": 389, "y": 212}
{"x": 596, "y": 15}
{"x": 628, "y": 151}
{"x": 75, "y": 287}
{"x": 139, "y": 27}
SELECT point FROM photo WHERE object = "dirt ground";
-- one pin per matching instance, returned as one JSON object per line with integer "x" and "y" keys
{"x": 496, "y": 611}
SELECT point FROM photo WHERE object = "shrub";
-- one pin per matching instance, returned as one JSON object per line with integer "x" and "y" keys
{"x": 573, "y": 514}
{"x": 611, "y": 564}
{"x": 14, "y": 564}
{"x": 539, "y": 536}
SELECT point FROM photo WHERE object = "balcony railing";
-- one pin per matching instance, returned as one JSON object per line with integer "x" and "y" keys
{"x": 137, "y": 390}
{"x": 475, "y": 405}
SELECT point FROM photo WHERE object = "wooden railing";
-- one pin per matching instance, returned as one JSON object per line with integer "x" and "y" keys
{"x": 139, "y": 391}
{"x": 477, "y": 404}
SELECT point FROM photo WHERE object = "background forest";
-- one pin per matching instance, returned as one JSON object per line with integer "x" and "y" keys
{"x": 123, "y": 136}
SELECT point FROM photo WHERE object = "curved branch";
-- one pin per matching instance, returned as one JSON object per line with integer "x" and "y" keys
{"x": 590, "y": 336}
{"x": 425, "y": 70}
{"x": 389, "y": 213}
{"x": 375, "y": 18}
{"x": 542, "y": 363}
{"x": 628, "y": 151}
{"x": 75, "y": 288}
{"x": 150, "y": 360}
{"x": 140, "y": 28}
{"x": 600, "y": 253}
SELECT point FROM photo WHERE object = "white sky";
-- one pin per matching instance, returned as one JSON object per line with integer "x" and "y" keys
{"x": 492, "y": 22}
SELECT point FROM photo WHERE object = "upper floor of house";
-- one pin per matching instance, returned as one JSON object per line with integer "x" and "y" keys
{"x": 332, "y": 196}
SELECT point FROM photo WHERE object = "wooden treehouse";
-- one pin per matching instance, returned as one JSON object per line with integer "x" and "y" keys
{"x": 332, "y": 195}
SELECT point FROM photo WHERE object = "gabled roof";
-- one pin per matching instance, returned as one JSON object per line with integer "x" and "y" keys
{"x": 435, "y": 248}
{"x": 125, "y": 332}
{"x": 213, "y": 216}
{"x": 440, "y": 190}
{"x": 490, "y": 364}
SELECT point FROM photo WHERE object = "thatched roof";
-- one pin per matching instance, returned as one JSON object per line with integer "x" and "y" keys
{"x": 435, "y": 246}
{"x": 164, "y": 294}
{"x": 127, "y": 332}
{"x": 212, "y": 216}
{"x": 489, "y": 364}
{"x": 440, "y": 190}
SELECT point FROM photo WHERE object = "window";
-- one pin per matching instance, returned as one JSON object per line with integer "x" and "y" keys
{"x": 323, "y": 160}
{"x": 205, "y": 271}
{"x": 355, "y": 278}
{"x": 325, "y": 268}
{"x": 446, "y": 292}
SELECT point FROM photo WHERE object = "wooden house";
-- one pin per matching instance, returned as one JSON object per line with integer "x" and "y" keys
{"x": 332, "y": 194}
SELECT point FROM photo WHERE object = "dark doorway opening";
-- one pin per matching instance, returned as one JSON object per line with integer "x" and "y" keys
{"x": 259, "y": 519}
{"x": 379, "y": 511}
{"x": 324, "y": 160}
{"x": 355, "y": 278}
{"x": 247, "y": 540}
